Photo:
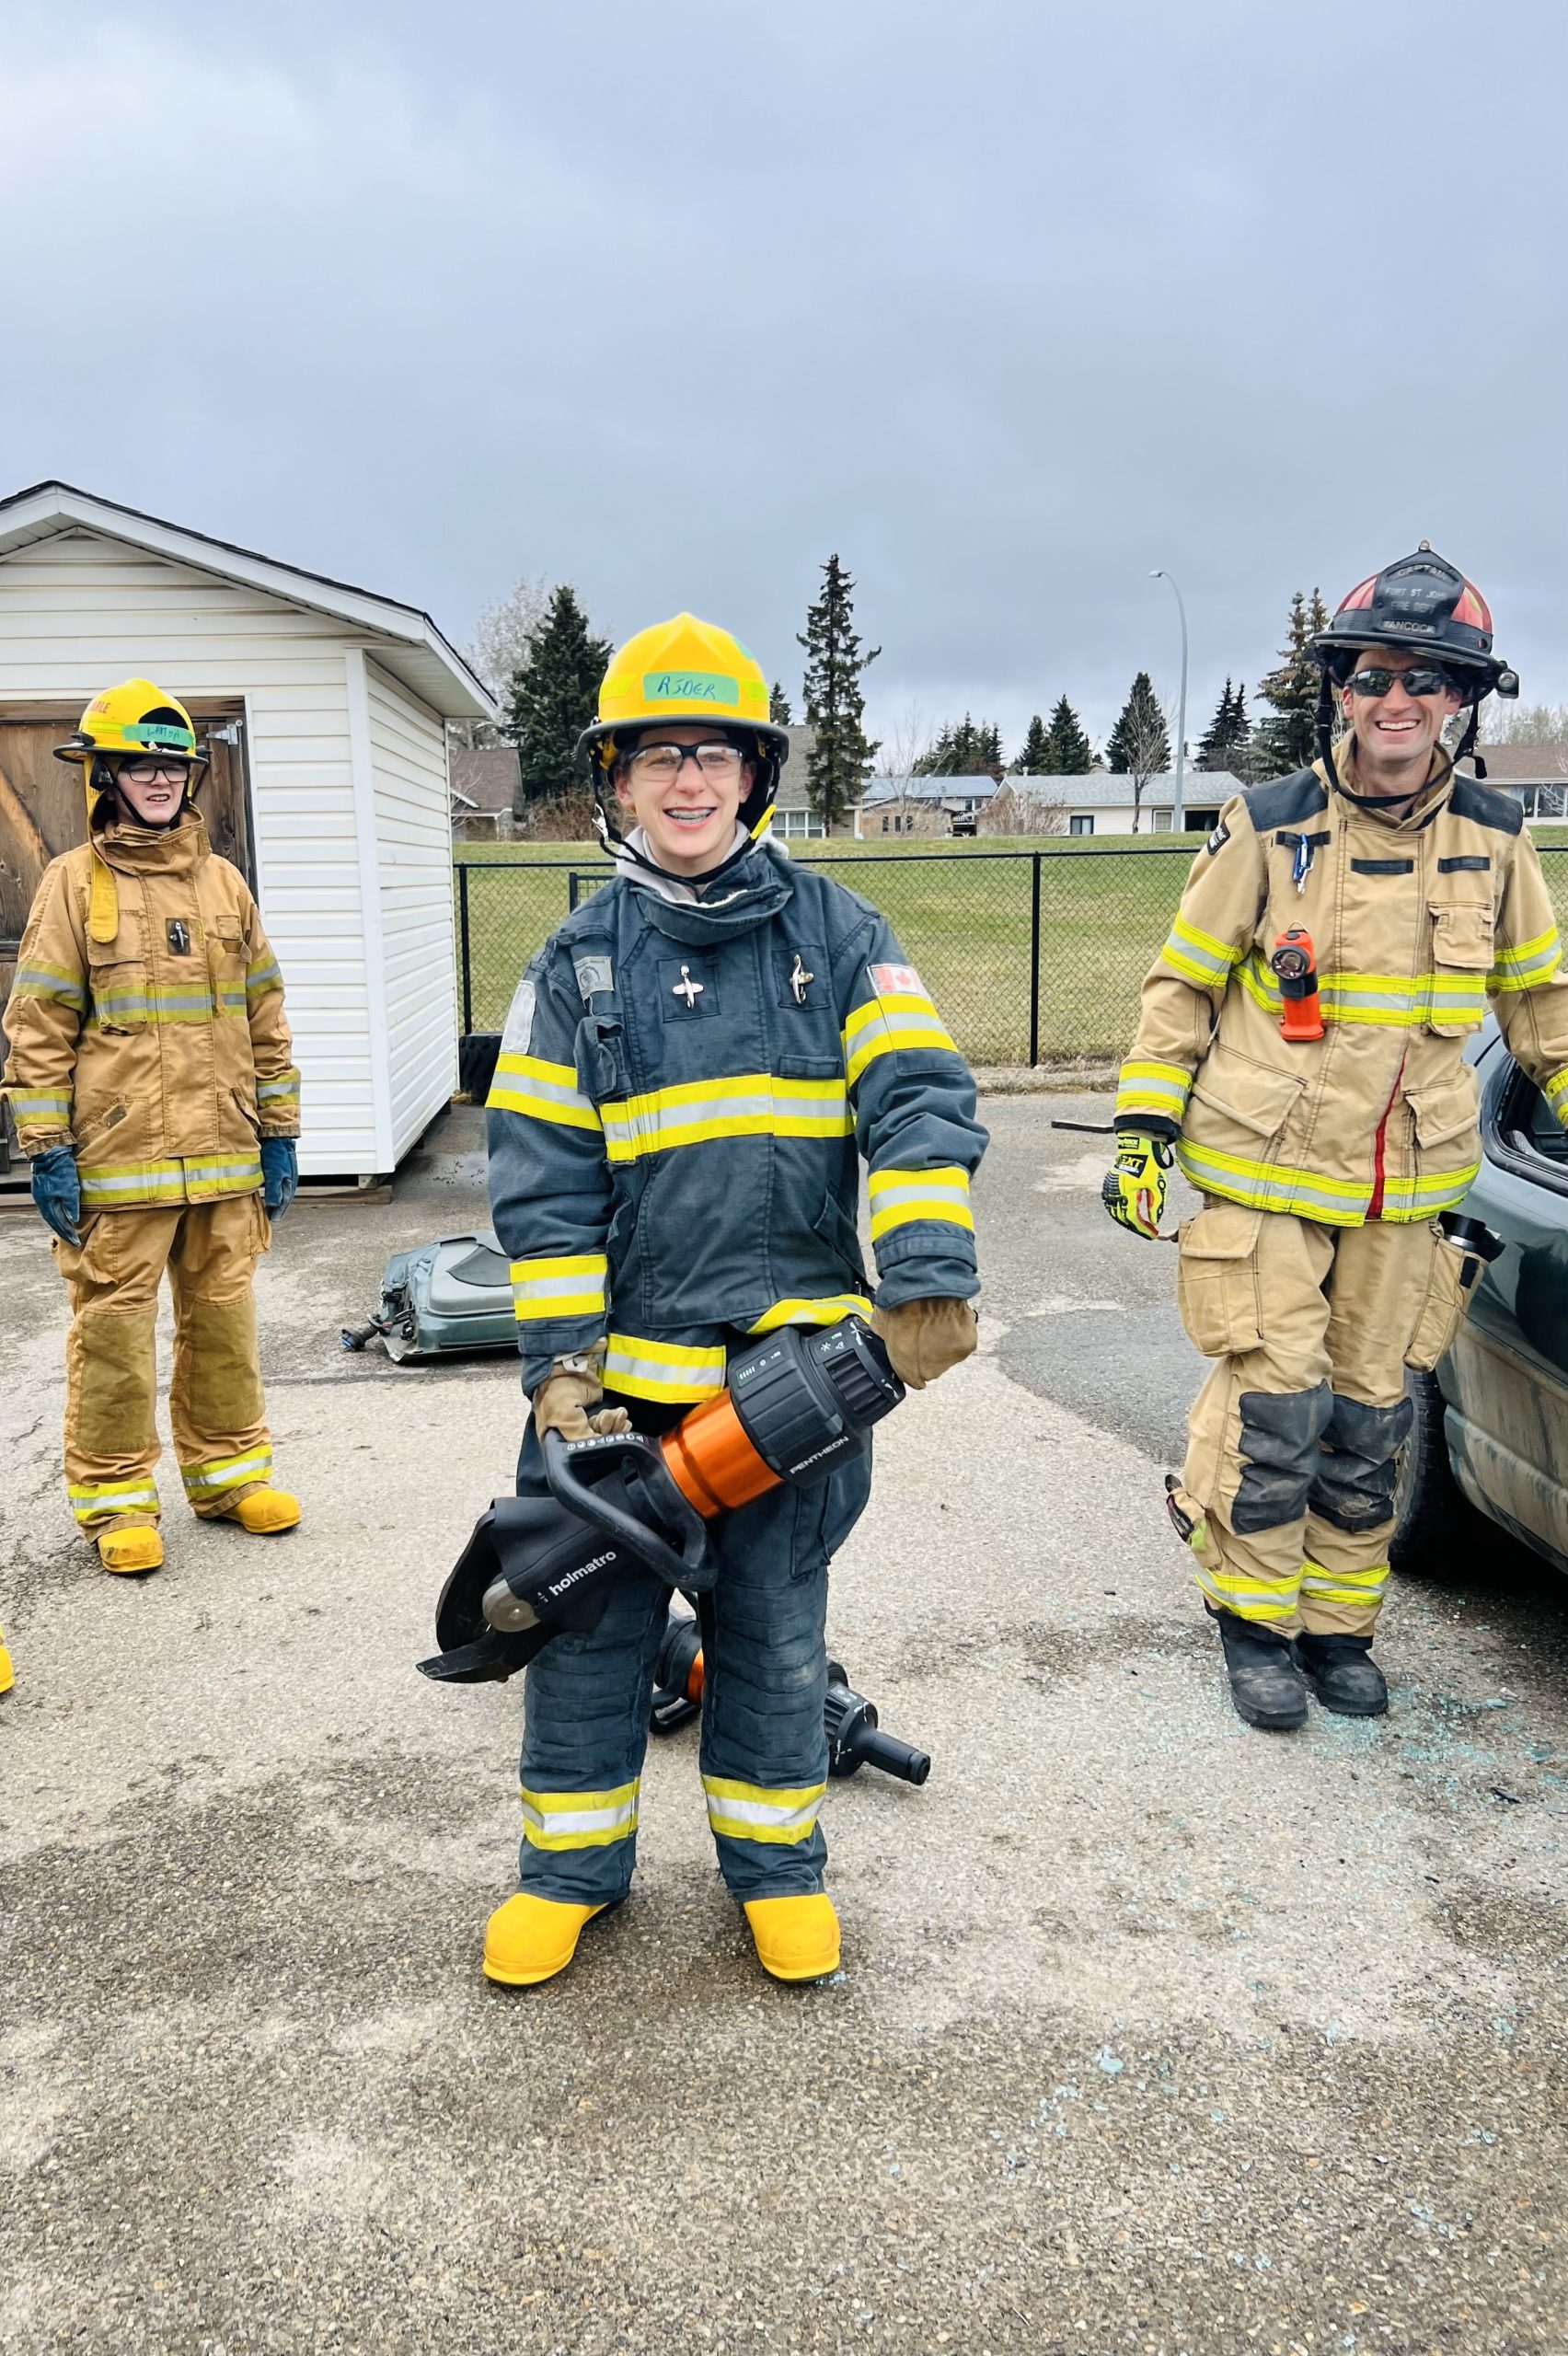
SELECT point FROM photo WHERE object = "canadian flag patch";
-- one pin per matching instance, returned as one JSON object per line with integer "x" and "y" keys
{"x": 896, "y": 981}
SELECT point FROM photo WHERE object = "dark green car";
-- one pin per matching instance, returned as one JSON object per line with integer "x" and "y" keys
{"x": 1491, "y": 1423}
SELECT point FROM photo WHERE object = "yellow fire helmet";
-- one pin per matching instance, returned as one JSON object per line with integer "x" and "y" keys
{"x": 135, "y": 717}
{"x": 685, "y": 670}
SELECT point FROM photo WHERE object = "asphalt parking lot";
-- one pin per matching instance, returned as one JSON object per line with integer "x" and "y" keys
{"x": 1153, "y": 2033}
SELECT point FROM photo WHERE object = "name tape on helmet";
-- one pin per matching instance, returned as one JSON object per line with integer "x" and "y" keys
{"x": 690, "y": 687}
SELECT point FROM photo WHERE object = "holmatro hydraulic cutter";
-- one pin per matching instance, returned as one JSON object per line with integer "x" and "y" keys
{"x": 798, "y": 1403}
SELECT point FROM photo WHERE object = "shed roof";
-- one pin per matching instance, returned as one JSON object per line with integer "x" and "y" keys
{"x": 408, "y": 642}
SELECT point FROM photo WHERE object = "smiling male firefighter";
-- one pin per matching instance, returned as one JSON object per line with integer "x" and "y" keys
{"x": 1328, "y": 1139}
{"x": 690, "y": 1071}
{"x": 151, "y": 1081}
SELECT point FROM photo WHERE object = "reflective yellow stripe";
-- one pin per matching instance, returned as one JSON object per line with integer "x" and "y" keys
{"x": 40, "y": 1107}
{"x": 1556, "y": 1094}
{"x": 579, "y": 1819}
{"x": 574, "y": 1286}
{"x": 227, "y": 1472}
{"x": 1196, "y": 955}
{"x": 900, "y": 1196}
{"x": 1407, "y": 1200}
{"x": 41, "y": 980}
{"x": 749, "y": 1104}
{"x": 93, "y": 1500}
{"x": 761, "y": 1811}
{"x": 1529, "y": 965}
{"x": 546, "y": 1091}
{"x": 1401, "y": 1001}
{"x": 671, "y": 1371}
{"x": 1344, "y": 1587}
{"x": 1248, "y": 1599}
{"x": 1273, "y": 1186}
{"x": 280, "y": 1090}
{"x": 1153, "y": 1087}
{"x": 191, "y": 1180}
{"x": 811, "y": 1312}
{"x": 885, "y": 1025}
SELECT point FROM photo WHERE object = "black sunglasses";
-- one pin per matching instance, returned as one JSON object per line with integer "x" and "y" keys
{"x": 1423, "y": 679}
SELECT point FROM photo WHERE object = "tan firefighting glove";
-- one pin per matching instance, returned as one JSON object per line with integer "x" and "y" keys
{"x": 562, "y": 1401}
{"x": 923, "y": 1338}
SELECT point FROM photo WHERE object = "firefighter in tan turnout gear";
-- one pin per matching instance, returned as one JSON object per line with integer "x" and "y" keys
{"x": 151, "y": 1083}
{"x": 1335, "y": 1143}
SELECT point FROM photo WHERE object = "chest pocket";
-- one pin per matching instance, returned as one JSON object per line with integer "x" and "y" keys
{"x": 689, "y": 989}
{"x": 801, "y": 977}
{"x": 226, "y": 963}
{"x": 117, "y": 981}
{"x": 1463, "y": 946}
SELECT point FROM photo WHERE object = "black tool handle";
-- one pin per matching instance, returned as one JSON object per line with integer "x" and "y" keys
{"x": 572, "y": 1469}
{"x": 894, "y": 1758}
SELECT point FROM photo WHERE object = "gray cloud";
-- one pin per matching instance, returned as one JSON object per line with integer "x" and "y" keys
{"x": 1008, "y": 304}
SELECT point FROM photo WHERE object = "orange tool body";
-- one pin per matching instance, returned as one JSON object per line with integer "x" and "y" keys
{"x": 1295, "y": 967}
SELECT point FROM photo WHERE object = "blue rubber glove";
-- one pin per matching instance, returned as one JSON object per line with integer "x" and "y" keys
{"x": 279, "y": 1176}
{"x": 57, "y": 1191}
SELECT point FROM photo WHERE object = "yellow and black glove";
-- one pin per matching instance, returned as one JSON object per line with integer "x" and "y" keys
{"x": 1133, "y": 1189}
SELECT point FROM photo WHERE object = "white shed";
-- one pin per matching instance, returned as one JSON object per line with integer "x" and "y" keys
{"x": 326, "y": 708}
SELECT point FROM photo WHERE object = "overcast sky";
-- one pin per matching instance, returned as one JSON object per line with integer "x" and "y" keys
{"x": 1006, "y": 301}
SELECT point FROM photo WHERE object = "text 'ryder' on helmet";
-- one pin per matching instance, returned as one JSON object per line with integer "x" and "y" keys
{"x": 686, "y": 672}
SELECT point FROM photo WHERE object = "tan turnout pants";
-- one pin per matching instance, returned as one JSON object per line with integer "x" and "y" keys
{"x": 1292, "y": 1441}
{"x": 215, "y": 1403}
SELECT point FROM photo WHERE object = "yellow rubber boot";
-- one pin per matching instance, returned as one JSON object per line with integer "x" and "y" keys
{"x": 8, "y": 1674}
{"x": 131, "y": 1550}
{"x": 264, "y": 1512}
{"x": 530, "y": 1939}
{"x": 797, "y": 1938}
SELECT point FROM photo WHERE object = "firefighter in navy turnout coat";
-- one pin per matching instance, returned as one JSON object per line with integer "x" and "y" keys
{"x": 692, "y": 1070}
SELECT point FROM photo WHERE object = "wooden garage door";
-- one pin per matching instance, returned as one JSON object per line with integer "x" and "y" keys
{"x": 43, "y": 809}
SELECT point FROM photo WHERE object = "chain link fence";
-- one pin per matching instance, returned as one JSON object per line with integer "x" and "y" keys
{"x": 1033, "y": 957}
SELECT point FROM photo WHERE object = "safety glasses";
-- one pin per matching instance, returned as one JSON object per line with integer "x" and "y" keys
{"x": 661, "y": 764}
{"x": 149, "y": 772}
{"x": 1423, "y": 679}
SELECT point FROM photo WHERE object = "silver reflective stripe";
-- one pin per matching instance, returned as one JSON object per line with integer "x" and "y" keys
{"x": 225, "y": 1477}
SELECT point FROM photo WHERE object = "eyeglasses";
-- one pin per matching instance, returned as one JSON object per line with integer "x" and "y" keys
{"x": 661, "y": 764}
{"x": 149, "y": 772}
{"x": 1424, "y": 679}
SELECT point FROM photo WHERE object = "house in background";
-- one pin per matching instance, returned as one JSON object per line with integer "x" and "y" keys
{"x": 794, "y": 820}
{"x": 1535, "y": 775}
{"x": 1101, "y": 802}
{"x": 484, "y": 791}
{"x": 923, "y": 805}
{"x": 325, "y": 710}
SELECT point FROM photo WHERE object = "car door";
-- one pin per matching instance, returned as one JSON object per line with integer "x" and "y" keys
{"x": 1507, "y": 1378}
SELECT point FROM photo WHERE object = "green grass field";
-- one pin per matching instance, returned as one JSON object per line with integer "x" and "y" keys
{"x": 963, "y": 917}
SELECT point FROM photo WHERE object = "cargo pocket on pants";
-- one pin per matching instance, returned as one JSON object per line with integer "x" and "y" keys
{"x": 1217, "y": 1280}
{"x": 1443, "y": 1305}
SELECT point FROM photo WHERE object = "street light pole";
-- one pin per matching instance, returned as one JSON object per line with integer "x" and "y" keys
{"x": 1179, "y": 815}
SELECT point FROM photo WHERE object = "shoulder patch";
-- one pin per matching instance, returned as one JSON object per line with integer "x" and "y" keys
{"x": 895, "y": 981}
{"x": 1217, "y": 840}
{"x": 519, "y": 1026}
{"x": 594, "y": 972}
{"x": 1471, "y": 799}
{"x": 1285, "y": 801}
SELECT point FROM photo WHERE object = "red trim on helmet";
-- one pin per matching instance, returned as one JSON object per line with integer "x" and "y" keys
{"x": 1472, "y": 608}
{"x": 1360, "y": 597}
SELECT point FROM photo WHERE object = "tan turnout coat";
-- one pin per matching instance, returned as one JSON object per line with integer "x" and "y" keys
{"x": 1420, "y": 924}
{"x": 161, "y": 1057}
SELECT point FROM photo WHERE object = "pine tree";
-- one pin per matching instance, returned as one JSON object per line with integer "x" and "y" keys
{"x": 841, "y": 753}
{"x": 1288, "y": 740}
{"x": 1073, "y": 752}
{"x": 971, "y": 749}
{"x": 554, "y": 695}
{"x": 779, "y": 709}
{"x": 1239, "y": 761}
{"x": 1214, "y": 747}
{"x": 1037, "y": 753}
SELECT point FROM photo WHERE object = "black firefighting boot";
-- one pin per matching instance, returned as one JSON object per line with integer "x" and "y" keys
{"x": 1265, "y": 1681}
{"x": 1345, "y": 1676}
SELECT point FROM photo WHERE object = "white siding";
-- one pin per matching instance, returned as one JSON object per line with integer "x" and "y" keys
{"x": 413, "y": 833}
{"x": 80, "y": 610}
